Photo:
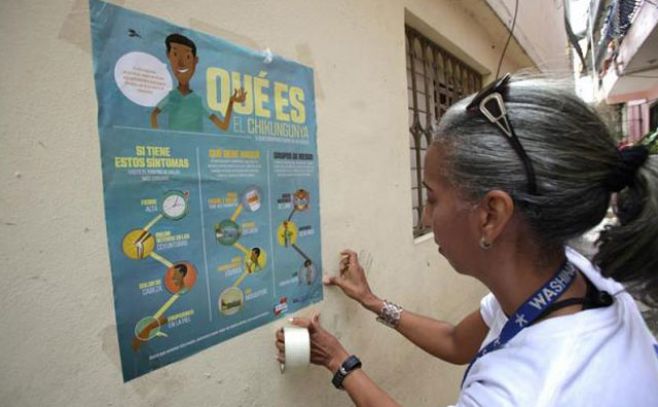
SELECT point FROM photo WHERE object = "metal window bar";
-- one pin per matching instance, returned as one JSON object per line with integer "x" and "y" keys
{"x": 435, "y": 80}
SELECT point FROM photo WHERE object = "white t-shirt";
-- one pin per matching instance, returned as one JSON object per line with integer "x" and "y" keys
{"x": 598, "y": 357}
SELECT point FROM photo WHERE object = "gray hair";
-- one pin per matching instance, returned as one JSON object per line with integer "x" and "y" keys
{"x": 573, "y": 155}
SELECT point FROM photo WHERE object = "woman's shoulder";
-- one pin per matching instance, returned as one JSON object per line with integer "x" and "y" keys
{"x": 539, "y": 368}
{"x": 592, "y": 272}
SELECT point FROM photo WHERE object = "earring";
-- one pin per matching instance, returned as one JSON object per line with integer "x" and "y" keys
{"x": 484, "y": 245}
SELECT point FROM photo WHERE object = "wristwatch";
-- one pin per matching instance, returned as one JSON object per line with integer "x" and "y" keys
{"x": 349, "y": 365}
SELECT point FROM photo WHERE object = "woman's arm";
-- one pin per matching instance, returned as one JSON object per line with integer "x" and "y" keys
{"x": 327, "y": 351}
{"x": 453, "y": 343}
{"x": 365, "y": 393}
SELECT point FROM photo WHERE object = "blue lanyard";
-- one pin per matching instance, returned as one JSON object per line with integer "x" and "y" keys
{"x": 532, "y": 308}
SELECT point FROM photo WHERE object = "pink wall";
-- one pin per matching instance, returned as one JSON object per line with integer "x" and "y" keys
{"x": 638, "y": 121}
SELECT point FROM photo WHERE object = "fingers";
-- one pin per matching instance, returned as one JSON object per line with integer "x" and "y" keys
{"x": 302, "y": 322}
{"x": 313, "y": 324}
{"x": 344, "y": 264}
{"x": 329, "y": 280}
{"x": 279, "y": 339}
{"x": 280, "y": 346}
{"x": 334, "y": 281}
{"x": 351, "y": 256}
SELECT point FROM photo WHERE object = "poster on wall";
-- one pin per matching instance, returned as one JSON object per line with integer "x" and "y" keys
{"x": 210, "y": 179}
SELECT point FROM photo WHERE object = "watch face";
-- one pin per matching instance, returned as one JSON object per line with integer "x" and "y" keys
{"x": 174, "y": 205}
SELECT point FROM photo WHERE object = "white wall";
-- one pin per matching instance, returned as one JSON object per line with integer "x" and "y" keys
{"x": 539, "y": 30}
{"x": 58, "y": 331}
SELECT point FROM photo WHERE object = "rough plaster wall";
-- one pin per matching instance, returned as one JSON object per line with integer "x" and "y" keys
{"x": 58, "y": 330}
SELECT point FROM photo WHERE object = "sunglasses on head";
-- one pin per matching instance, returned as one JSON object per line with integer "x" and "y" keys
{"x": 490, "y": 103}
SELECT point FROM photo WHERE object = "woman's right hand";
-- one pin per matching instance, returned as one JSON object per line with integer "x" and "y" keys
{"x": 326, "y": 350}
{"x": 352, "y": 279}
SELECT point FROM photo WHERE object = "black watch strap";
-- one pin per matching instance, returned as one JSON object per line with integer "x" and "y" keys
{"x": 349, "y": 365}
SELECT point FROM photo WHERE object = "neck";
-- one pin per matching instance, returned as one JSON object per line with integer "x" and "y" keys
{"x": 516, "y": 278}
{"x": 184, "y": 88}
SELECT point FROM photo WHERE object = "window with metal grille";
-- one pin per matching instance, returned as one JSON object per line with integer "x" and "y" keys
{"x": 435, "y": 80}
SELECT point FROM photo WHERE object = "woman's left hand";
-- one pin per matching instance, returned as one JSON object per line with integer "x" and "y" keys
{"x": 326, "y": 350}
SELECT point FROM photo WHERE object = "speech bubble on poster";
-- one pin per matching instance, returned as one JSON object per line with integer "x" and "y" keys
{"x": 142, "y": 78}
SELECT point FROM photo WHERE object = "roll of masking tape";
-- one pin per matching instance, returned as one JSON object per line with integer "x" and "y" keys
{"x": 297, "y": 343}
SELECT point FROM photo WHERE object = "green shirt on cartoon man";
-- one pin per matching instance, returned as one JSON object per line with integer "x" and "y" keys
{"x": 184, "y": 107}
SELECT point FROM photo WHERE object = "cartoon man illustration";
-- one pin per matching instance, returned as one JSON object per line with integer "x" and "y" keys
{"x": 307, "y": 273}
{"x": 184, "y": 107}
{"x": 178, "y": 277}
{"x": 286, "y": 233}
{"x": 252, "y": 263}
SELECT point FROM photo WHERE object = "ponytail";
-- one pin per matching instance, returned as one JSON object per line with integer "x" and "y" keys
{"x": 628, "y": 250}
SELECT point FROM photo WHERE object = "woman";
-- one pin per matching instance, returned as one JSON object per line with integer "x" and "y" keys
{"x": 512, "y": 174}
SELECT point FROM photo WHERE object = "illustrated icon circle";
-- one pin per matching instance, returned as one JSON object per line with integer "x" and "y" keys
{"x": 231, "y": 301}
{"x": 227, "y": 232}
{"x": 180, "y": 278}
{"x": 251, "y": 198}
{"x": 147, "y": 328}
{"x": 174, "y": 205}
{"x": 286, "y": 233}
{"x": 255, "y": 260}
{"x": 138, "y": 244}
{"x": 301, "y": 200}
{"x": 306, "y": 274}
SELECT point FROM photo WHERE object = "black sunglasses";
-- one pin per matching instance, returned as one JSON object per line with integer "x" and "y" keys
{"x": 489, "y": 101}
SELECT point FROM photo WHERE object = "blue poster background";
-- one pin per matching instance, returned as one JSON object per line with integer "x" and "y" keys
{"x": 212, "y": 232}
